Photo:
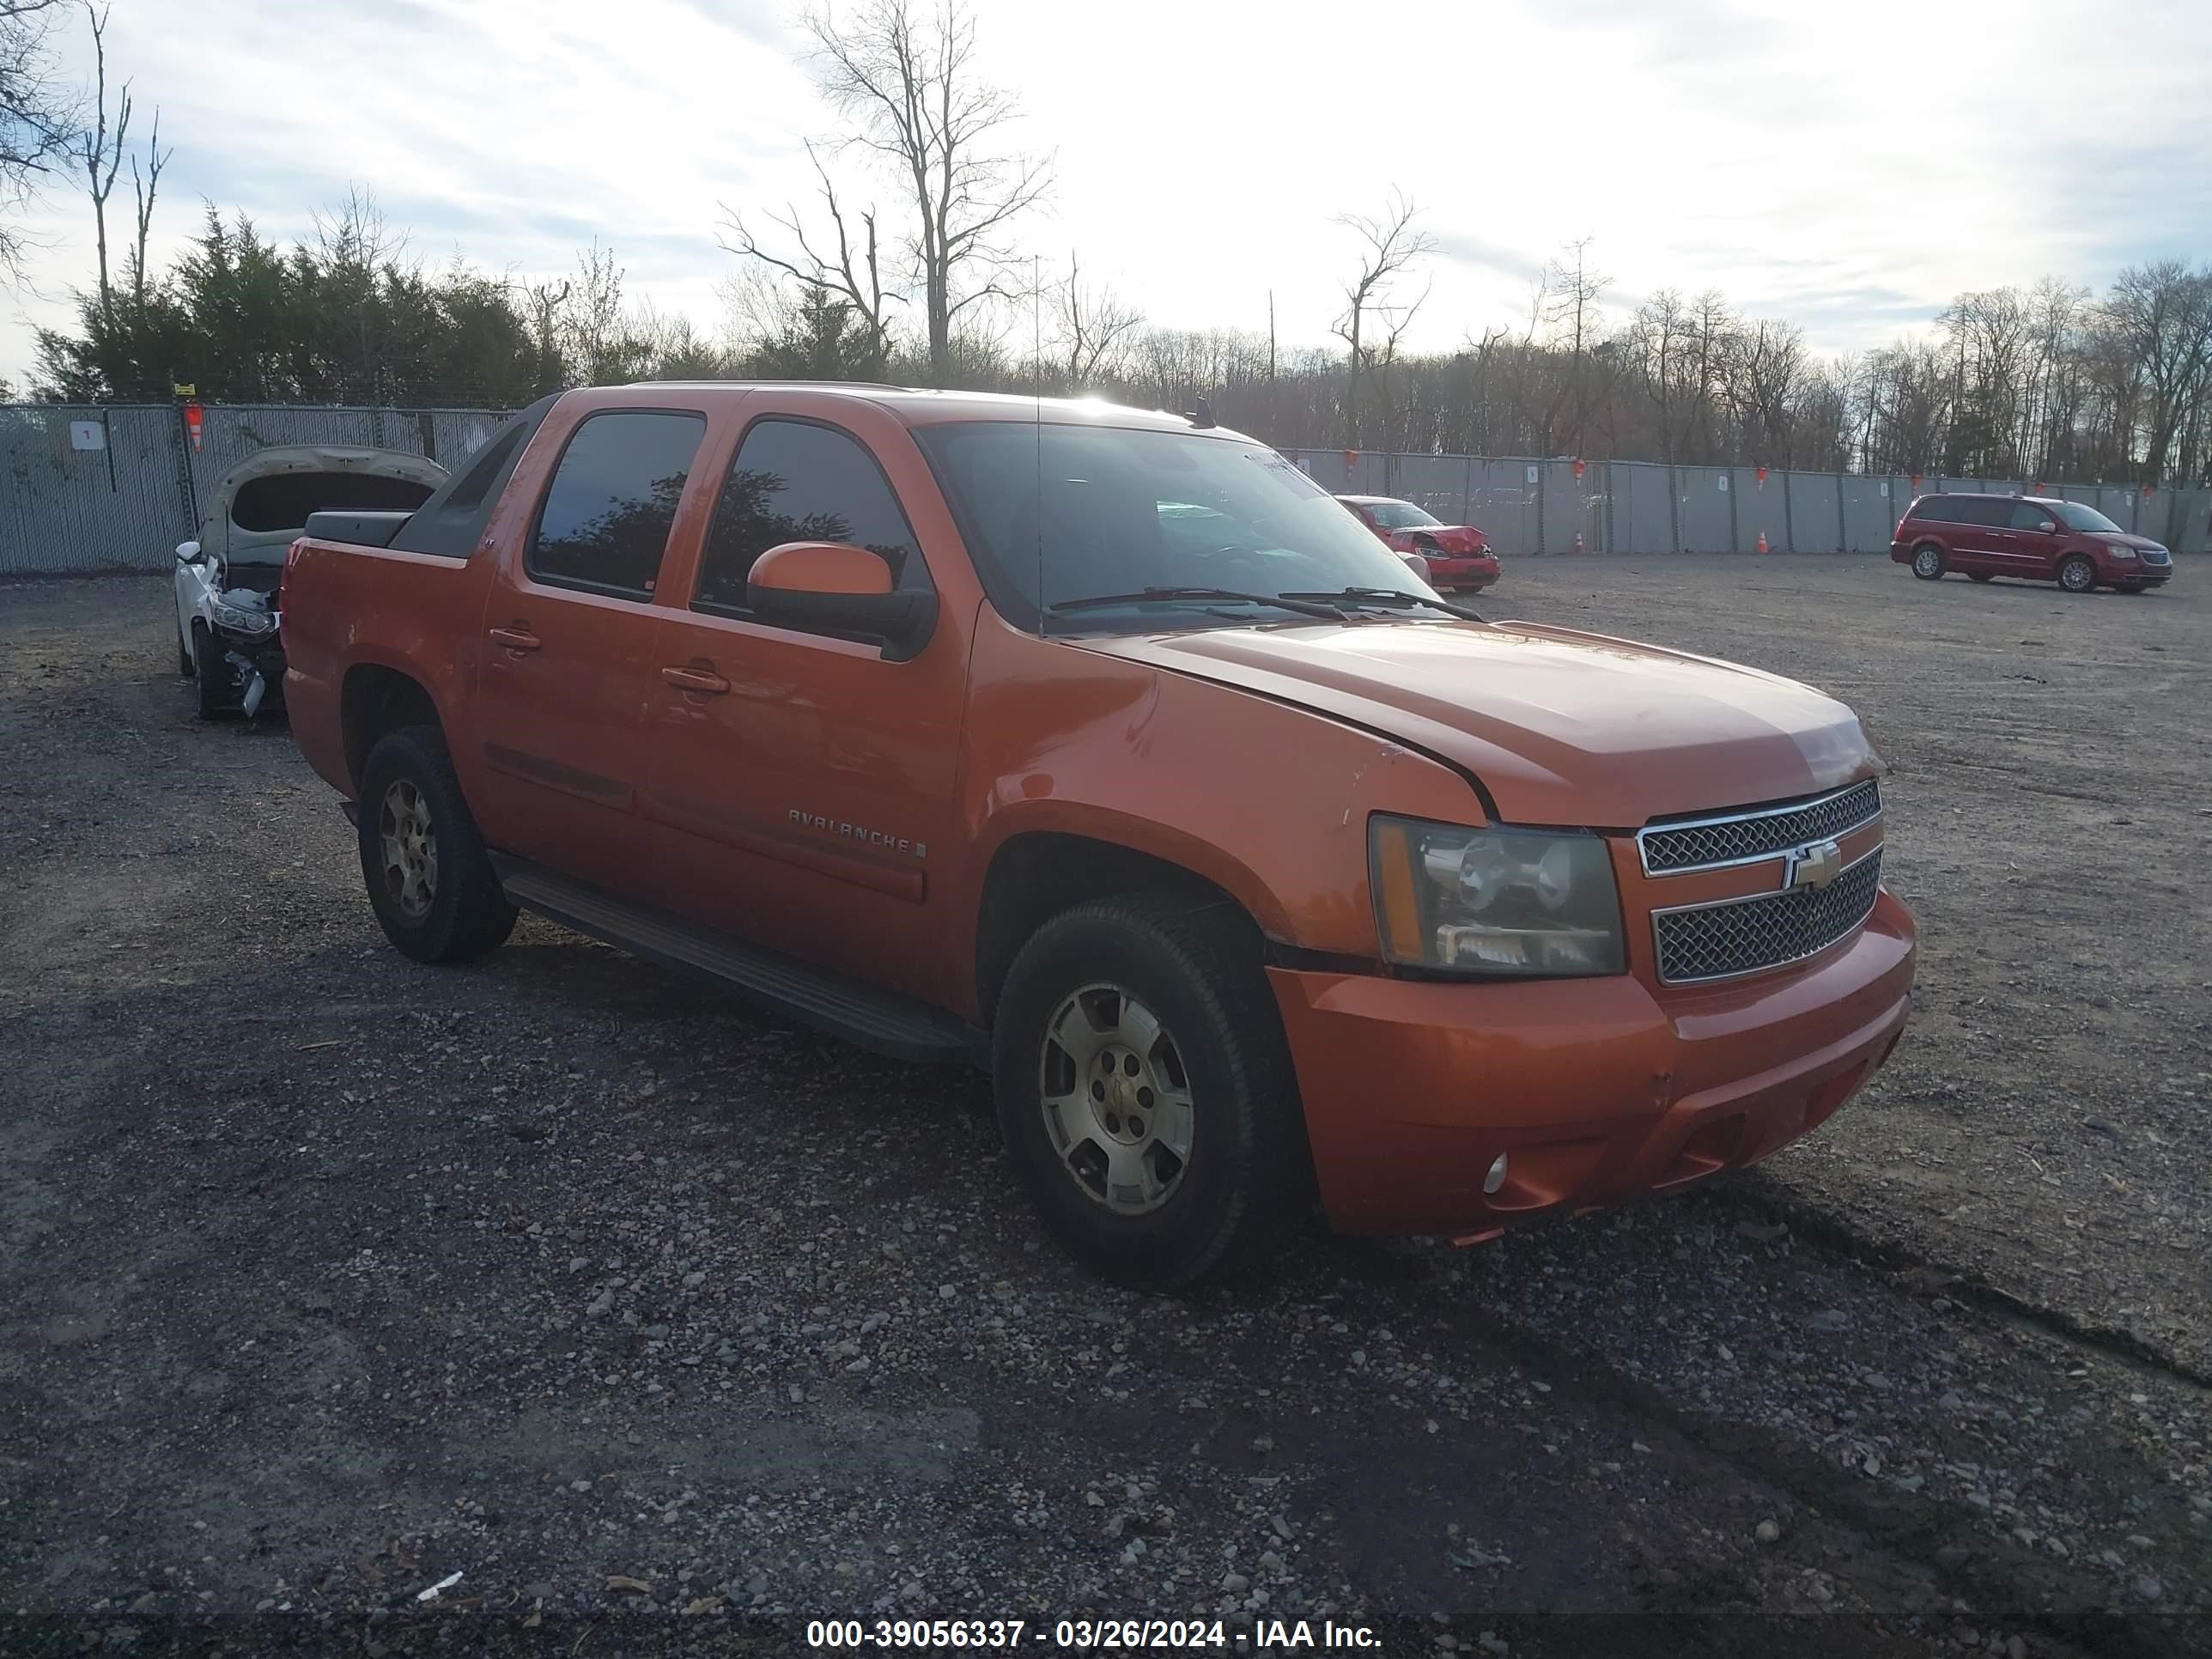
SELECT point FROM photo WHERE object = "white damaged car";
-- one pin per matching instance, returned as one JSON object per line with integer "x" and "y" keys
{"x": 227, "y": 621}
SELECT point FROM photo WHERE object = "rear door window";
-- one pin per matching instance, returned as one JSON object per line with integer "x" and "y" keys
{"x": 605, "y": 524}
{"x": 794, "y": 481}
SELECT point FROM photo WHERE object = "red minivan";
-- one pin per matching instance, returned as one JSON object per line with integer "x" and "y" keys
{"x": 2033, "y": 537}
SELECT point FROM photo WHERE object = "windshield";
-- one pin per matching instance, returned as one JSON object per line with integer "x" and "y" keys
{"x": 1399, "y": 516}
{"x": 2078, "y": 517}
{"x": 1124, "y": 510}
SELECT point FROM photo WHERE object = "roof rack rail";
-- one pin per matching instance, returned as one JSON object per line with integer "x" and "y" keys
{"x": 856, "y": 385}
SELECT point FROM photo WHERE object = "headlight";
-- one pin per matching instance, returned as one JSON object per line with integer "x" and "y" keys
{"x": 1493, "y": 901}
{"x": 242, "y": 621}
{"x": 2121, "y": 552}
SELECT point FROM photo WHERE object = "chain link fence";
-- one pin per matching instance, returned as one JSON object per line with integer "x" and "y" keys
{"x": 1639, "y": 506}
{"x": 86, "y": 488}
{"x": 109, "y": 488}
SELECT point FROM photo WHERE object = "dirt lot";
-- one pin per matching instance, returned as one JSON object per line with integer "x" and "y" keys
{"x": 325, "y": 1276}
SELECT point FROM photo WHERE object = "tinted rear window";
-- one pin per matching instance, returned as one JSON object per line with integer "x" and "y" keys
{"x": 283, "y": 499}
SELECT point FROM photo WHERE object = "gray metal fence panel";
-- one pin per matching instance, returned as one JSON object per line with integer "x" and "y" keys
{"x": 1814, "y": 508}
{"x": 1757, "y": 510}
{"x": 1870, "y": 510}
{"x": 2119, "y": 505}
{"x": 121, "y": 505}
{"x": 1501, "y": 504}
{"x": 1707, "y": 502}
{"x": 1642, "y": 507}
{"x": 1435, "y": 483}
{"x": 1573, "y": 506}
{"x": 2187, "y": 521}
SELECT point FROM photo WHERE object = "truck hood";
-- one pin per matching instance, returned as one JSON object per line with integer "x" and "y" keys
{"x": 1561, "y": 727}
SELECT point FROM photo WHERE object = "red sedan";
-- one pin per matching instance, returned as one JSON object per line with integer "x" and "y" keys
{"x": 1458, "y": 555}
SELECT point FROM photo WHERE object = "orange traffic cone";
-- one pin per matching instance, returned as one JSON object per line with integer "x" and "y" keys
{"x": 1762, "y": 541}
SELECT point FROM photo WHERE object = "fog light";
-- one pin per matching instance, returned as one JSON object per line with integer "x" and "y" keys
{"x": 1496, "y": 1178}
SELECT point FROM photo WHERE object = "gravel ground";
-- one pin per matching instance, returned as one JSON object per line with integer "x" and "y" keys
{"x": 325, "y": 1276}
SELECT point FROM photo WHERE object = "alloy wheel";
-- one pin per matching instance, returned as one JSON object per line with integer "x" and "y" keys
{"x": 1116, "y": 1099}
{"x": 410, "y": 847}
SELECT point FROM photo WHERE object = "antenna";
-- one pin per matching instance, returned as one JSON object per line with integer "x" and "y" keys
{"x": 1036, "y": 357}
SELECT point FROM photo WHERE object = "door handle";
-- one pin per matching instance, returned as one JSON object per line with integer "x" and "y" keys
{"x": 517, "y": 638}
{"x": 703, "y": 681}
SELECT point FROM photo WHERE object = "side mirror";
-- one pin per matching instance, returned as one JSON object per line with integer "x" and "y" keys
{"x": 188, "y": 552}
{"x": 2048, "y": 528}
{"x": 1416, "y": 564}
{"x": 839, "y": 589}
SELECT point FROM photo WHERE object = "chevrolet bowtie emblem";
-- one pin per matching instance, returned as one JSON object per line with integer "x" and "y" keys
{"x": 1814, "y": 865}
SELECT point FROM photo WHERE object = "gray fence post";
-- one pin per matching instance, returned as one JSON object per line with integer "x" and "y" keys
{"x": 1843, "y": 519}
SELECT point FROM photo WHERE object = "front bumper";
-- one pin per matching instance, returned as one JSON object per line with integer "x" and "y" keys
{"x": 1595, "y": 1090}
{"x": 1465, "y": 571}
{"x": 248, "y": 655}
{"x": 2135, "y": 574}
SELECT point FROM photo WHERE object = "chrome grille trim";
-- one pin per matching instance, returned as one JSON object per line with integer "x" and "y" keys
{"x": 1728, "y": 938}
{"x": 1726, "y": 839}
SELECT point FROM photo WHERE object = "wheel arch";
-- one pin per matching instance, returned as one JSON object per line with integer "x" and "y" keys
{"x": 1035, "y": 874}
{"x": 375, "y": 699}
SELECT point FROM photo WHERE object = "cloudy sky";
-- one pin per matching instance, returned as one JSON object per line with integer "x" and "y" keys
{"x": 1848, "y": 167}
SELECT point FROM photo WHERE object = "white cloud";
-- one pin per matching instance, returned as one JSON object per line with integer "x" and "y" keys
{"x": 1850, "y": 167}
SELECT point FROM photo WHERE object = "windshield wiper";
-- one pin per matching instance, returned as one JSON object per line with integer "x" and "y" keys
{"x": 1304, "y": 607}
{"x": 1371, "y": 593}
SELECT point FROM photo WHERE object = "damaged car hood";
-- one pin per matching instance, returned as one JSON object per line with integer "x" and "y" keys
{"x": 1561, "y": 727}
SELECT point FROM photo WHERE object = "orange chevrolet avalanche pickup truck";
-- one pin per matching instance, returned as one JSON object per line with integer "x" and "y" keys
{"x": 1103, "y": 748}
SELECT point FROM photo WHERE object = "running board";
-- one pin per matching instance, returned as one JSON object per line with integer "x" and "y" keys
{"x": 880, "y": 1021}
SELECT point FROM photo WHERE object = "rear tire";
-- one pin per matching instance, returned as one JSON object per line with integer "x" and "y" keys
{"x": 429, "y": 877}
{"x": 1145, "y": 1092}
{"x": 210, "y": 674}
{"x": 2077, "y": 573}
{"x": 1927, "y": 562}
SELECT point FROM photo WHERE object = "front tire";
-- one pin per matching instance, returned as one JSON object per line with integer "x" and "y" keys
{"x": 1145, "y": 1091}
{"x": 1927, "y": 561}
{"x": 2077, "y": 573}
{"x": 429, "y": 877}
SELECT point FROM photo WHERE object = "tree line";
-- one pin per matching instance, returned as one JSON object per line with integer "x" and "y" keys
{"x": 904, "y": 266}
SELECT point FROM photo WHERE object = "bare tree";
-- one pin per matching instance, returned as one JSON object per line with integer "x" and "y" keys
{"x": 37, "y": 116}
{"x": 852, "y": 275}
{"x": 1094, "y": 326}
{"x": 100, "y": 151}
{"x": 1572, "y": 315}
{"x": 143, "y": 191}
{"x": 2162, "y": 314}
{"x": 906, "y": 75}
{"x": 1390, "y": 245}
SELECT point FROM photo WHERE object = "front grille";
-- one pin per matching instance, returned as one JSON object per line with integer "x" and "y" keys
{"x": 1741, "y": 936}
{"x": 1739, "y": 837}
{"x": 2157, "y": 555}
